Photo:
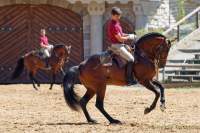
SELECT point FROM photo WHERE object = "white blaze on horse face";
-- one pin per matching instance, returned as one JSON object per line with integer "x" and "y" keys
{"x": 67, "y": 60}
{"x": 68, "y": 49}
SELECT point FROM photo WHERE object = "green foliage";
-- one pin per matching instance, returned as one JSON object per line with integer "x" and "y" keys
{"x": 181, "y": 9}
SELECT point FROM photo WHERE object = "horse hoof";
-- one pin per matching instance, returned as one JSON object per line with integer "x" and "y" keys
{"x": 92, "y": 121}
{"x": 147, "y": 110}
{"x": 36, "y": 89}
{"x": 162, "y": 107}
{"x": 38, "y": 85}
{"x": 114, "y": 121}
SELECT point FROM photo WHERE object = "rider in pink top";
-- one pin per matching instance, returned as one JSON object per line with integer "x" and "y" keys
{"x": 43, "y": 41}
{"x": 45, "y": 46}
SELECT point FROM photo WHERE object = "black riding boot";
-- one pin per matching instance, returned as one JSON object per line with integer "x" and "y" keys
{"x": 47, "y": 63}
{"x": 129, "y": 74}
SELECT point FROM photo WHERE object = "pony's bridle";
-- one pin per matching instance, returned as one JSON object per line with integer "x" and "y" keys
{"x": 66, "y": 58}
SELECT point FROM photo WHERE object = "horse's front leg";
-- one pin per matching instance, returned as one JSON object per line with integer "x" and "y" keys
{"x": 33, "y": 81}
{"x": 162, "y": 94}
{"x": 149, "y": 85}
{"x": 52, "y": 81}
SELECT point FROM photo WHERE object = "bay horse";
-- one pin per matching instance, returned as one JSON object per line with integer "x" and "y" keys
{"x": 151, "y": 52}
{"x": 33, "y": 62}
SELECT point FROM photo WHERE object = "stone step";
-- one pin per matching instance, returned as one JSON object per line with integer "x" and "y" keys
{"x": 182, "y": 66}
{"x": 190, "y": 50}
{"x": 180, "y": 70}
{"x": 189, "y": 61}
{"x": 189, "y": 78}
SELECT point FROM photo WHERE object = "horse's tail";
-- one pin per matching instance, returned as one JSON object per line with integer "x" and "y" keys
{"x": 71, "y": 77}
{"x": 18, "y": 69}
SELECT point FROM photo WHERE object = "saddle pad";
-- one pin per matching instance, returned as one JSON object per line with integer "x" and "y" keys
{"x": 107, "y": 58}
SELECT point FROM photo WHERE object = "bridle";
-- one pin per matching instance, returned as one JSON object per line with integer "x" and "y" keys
{"x": 159, "y": 49}
{"x": 66, "y": 54}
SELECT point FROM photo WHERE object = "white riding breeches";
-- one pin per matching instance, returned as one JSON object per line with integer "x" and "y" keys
{"x": 47, "y": 50}
{"x": 120, "y": 50}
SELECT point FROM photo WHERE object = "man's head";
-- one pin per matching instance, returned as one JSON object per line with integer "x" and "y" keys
{"x": 43, "y": 32}
{"x": 116, "y": 13}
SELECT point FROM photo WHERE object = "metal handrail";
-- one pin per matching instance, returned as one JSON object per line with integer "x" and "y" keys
{"x": 177, "y": 25}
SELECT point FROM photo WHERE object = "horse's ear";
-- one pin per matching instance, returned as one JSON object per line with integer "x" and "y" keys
{"x": 69, "y": 48}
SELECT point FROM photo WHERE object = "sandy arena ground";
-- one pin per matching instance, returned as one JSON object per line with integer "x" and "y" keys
{"x": 22, "y": 109}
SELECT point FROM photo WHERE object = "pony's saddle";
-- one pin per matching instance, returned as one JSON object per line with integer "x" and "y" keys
{"x": 108, "y": 57}
{"x": 41, "y": 54}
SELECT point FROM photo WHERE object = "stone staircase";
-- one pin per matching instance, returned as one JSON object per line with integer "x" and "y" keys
{"x": 183, "y": 63}
{"x": 182, "y": 70}
{"x": 187, "y": 47}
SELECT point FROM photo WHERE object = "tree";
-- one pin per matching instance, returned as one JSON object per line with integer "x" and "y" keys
{"x": 181, "y": 9}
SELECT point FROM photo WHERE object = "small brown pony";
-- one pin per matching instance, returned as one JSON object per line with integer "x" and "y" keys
{"x": 151, "y": 52}
{"x": 32, "y": 62}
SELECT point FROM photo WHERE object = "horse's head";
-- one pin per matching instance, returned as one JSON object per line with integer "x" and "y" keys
{"x": 154, "y": 46}
{"x": 62, "y": 51}
{"x": 161, "y": 52}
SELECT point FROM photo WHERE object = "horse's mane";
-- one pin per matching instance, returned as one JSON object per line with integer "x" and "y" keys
{"x": 148, "y": 36}
{"x": 59, "y": 46}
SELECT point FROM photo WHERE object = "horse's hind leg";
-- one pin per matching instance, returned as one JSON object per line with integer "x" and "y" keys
{"x": 83, "y": 102}
{"x": 33, "y": 80}
{"x": 52, "y": 81}
{"x": 36, "y": 81}
{"x": 162, "y": 94}
{"x": 149, "y": 85}
{"x": 100, "y": 105}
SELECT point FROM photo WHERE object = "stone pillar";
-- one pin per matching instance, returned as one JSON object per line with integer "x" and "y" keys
{"x": 140, "y": 18}
{"x": 96, "y": 11}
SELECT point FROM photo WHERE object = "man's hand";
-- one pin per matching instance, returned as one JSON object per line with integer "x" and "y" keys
{"x": 132, "y": 36}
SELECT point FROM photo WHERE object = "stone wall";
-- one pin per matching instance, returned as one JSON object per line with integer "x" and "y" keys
{"x": 151, "y": 14}
{"x": 127, "y": 10}
{"x": 86, "y": 35}
{"x": 191, "y": 5}
{"x": 173, "y": 11}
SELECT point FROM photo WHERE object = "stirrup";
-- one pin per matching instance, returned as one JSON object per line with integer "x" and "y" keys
{"x": 131, "y": 83}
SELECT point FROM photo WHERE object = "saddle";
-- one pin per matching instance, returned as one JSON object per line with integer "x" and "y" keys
{"x": 40, "y": 53}
{"x": 107, "y": 58}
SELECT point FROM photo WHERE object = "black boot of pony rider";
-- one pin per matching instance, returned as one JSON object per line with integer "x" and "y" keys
{"x": 129, "y": 74}
{"x": 47, "y": 63}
